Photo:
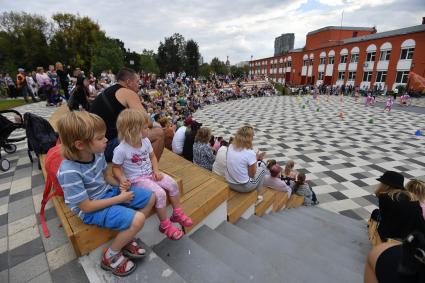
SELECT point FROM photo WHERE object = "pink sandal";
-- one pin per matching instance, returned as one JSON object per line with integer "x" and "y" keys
{"x": 181, "y": 218}
{"x": 172, "y": 232}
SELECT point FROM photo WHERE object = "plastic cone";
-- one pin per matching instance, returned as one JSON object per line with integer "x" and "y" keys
{"x": 370, "y": 121}
{"x": 317, "y": 110}
{"x": 418, "y": 133}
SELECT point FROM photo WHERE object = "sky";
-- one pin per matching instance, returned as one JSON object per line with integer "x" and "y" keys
{"x": 238, "y": 29}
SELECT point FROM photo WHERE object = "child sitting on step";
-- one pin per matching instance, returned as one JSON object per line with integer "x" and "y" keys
{"x": 417, "y": 187}
{"x": 289, "y": 174}
{"x": 95, "y": 197}
{"x": 135, "y": 163}
{"x": 301, "y": 188}
{"x": 273, "y": 180}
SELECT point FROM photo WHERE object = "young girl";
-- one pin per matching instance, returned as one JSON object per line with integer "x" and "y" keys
{"x": 417, "y": 187}
{"x": 301, "y": 188}
{"x": 389, "y": 104}
{"x": 289, "y": 174}
{"x": 134, "y": 163}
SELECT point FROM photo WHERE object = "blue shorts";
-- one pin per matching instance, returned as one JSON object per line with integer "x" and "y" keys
{"x": 119, "y": 216}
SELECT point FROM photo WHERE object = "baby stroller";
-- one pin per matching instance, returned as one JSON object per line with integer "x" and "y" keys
{"x": 6, "y": 128}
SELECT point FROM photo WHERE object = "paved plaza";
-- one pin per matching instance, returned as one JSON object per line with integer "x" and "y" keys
{"x": 342, "y": 159}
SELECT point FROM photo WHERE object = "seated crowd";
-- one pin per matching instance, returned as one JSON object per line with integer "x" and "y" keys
{"x": 130, "y": 127}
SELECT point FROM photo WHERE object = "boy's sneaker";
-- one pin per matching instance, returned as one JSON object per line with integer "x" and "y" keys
{"x": 118, "y": 264}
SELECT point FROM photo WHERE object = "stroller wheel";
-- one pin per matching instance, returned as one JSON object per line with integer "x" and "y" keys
{"x": 4, "y": 164}
{"x": 10, "y": 148}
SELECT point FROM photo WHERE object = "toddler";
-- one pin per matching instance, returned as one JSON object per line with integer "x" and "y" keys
{"x": 135, "y": 163}
{"x": 301, "y": 188}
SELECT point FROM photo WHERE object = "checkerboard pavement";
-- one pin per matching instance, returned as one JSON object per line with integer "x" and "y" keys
{"x": 341, "y": 157}
{"x": 25, "y": 254}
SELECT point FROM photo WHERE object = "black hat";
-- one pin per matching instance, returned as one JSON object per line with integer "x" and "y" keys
{"x": 393, "y": 179}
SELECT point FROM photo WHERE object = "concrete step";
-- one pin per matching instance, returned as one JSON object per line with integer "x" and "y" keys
{"x": 290, "y": 269}
{"x": 339, "y": 232}
{"x": 302, "y": 251}
{"x": 150, "y": 269}
{"x": 236, "y": 257}
{"x": 317, "y": 243}
{"x": 193, "y": 263}
{"x": 328, "y": 218}
{"x": 318, "y": 231}
{"x": 317, "y": 211}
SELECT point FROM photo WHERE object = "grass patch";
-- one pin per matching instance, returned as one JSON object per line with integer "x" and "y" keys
{"x": 6, "y": 104}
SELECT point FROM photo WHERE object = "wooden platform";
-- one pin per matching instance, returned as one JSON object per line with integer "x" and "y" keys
{"x": 295, "y": 201}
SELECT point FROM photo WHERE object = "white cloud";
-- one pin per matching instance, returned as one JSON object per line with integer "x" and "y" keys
{"x": 238, "y": 28}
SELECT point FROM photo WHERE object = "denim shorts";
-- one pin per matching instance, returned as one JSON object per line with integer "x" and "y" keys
{"x": 118, "y": 216}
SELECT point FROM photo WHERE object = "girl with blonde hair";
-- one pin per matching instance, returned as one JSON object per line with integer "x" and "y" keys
{"x": 135, "y": 163}
{"x": 245, "y": 168}
{"x": 417, "y": 188}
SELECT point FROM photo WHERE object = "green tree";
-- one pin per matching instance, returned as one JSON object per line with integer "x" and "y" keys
{"x": 148, "y": 62}
{"x": 205, "y": 70}
{"x": 75, "y": 39}
{"x": 192, "y": 58}
{"x": 23, "y": 41}
{"x": 218, "y": 67}
{"x": 107, "y": 56}
{"x": 171, "y": 54}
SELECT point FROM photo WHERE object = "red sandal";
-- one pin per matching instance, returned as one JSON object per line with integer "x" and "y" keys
{"x": 133, "y": 250}
{"x": 117, "y": 264}
{"x": 181, "y": 218}
{"x": 172, "y": 232}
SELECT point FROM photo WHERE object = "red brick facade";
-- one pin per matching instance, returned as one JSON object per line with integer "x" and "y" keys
{"x": 391, "y": 56}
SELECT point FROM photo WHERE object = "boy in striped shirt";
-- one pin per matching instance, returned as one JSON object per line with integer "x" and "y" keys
{"x": 96, "y": 197}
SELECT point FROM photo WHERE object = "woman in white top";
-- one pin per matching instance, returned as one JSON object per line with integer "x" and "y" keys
{"x": 219, "y": 166}
{"x": 244, "y": 173}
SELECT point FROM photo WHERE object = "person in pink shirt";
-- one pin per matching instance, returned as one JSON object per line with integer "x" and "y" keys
{"x": 273, "y": 180}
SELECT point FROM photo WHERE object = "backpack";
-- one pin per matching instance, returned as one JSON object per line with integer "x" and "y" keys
{"x": 40, "y": 135}
{"x": 52, "y": 163}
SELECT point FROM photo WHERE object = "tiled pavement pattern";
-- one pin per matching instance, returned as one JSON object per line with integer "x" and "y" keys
{"x": 25, "y": 254}
{"x": 342, "y": 158}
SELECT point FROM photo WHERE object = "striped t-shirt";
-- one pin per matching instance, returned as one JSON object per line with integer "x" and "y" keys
{"x": 81, "y": 181}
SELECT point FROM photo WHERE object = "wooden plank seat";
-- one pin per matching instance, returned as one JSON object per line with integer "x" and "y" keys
{"x": 238, "y": 203}
{"x": 295, "y": 201}
{"x": 203, "y": 196}
{"x": 268, "y": 201}
{"x": 280, "y": 201}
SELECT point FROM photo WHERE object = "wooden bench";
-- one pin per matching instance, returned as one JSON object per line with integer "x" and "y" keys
{"x": 295, "y": 201}
{"x": 280, "y": 202}
{"x": 238, "y": 203}
{"x": 200, "y": 193}
{"x": 269, "y": 196}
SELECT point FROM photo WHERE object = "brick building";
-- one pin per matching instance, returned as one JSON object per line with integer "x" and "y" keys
{"x": 356, "y": 56}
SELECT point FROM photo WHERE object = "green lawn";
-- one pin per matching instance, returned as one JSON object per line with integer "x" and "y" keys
{"x": 10, "y": 103}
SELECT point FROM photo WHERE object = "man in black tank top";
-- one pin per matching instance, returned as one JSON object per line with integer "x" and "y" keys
{"x": 109, "y": 104}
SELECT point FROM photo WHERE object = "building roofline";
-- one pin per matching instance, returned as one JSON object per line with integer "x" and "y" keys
{"x": 395, "y": 32}
{"x": 340, "y": 28}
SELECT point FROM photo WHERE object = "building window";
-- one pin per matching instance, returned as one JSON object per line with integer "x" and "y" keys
{"x": 320, "y": 76}
{"x": 407, "y": 53}
{"x": 354, "y": 33}
{"x": 354, "y": 58}
{"x": 367, "y": 76}
{"x": 370, "y": 56}
{"x": 351, "y": 76}
{"x": 305, "y": 62}
{"x": 343, "y": 59}
{"x": 401, "y": 77}
{"x": 322, "y": 61}
{"x": 381, "y": 77}
{"x": 385, "y": 55}
{"x": 341, "y": 76}
{"x": 331, "y": 60}
{"x": 289, "y": 64}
